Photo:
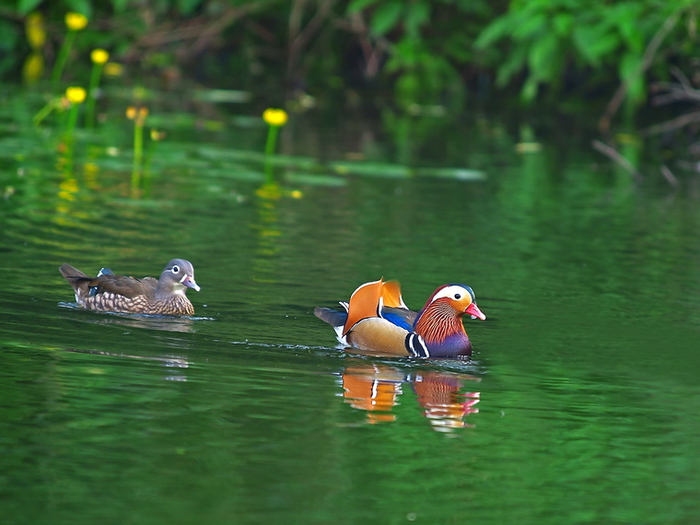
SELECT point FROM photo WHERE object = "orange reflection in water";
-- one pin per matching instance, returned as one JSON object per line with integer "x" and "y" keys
{"x": 376, "y": 388}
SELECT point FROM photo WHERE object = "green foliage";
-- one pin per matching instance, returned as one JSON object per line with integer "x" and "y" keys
{"x": 424, "y": 52}
{"x": 9, "y": 40}
{"x": 429, "y": 43}
{"x": 542, "y": 39}
{"x": 24, "y": 7}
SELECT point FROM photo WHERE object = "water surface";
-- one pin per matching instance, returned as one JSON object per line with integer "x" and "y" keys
{"x": 579, "y": 405}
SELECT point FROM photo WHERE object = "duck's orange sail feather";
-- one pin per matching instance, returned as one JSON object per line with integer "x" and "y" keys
{"x": 364, "y": 303}
{"x": 391, "y": 294}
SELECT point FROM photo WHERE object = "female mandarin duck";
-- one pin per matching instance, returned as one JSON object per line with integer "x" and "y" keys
{"x": 377, "y": 320}
{"x": 117, "y": 293}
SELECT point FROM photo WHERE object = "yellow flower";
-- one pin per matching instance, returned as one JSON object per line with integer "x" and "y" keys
{"x": 113, "y": 69}
{"x": 91, "y": 168}
{"x": 76, "y": 95}
{"x": 99, "y": 56}
{"x": 138, "y": 114}
{"x": 275, "y": 117}
{"x": 76, "y": 21}
{"x": 34, "y": 27}
{"x": 33, "y": 68}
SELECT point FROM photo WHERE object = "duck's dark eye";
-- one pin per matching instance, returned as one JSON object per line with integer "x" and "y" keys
{"x": 176, "y": 269}
{"x": 458, "y": 296}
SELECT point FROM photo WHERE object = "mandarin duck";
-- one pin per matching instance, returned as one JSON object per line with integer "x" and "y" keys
{"x": 376, "y": 320}
{"x": 117, "y": 293}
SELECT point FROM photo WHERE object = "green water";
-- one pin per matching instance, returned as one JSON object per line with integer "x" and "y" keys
{"x": 579, "y": 406}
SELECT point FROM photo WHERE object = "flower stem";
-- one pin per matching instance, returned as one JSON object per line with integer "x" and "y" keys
{"x": 272, "y": 133}
{"x": 138, "y": 156}
{"x": 92, "y": 95}
{"x": 61, "y": 60}
{"x": 72, "y": 120}
{"x": 45, "y": 111}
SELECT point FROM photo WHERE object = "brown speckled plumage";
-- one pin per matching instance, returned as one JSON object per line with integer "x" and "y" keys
{"x": 117, "y": 293}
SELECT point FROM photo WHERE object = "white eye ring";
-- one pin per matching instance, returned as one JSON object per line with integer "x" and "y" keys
{"x": 175, "y": 269}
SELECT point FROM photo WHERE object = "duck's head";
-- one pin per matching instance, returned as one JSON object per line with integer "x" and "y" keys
{"x": 179, "y": 273}
{"x": 458, "y": 296}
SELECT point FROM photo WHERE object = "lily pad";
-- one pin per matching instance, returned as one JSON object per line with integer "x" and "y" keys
{"x": 171, "y": 120}
{"x": 371, "y": 169}
{"x": 223, "y": 95}
{"x": 307, "y": 163}
{"x": 452, "y": 173}
{"x": 312, "y": 179}
{"x": 209, "y": 152}
{"x": 236, "y": 173}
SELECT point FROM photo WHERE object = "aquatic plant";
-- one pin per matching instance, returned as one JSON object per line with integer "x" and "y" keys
{"x": 275, "y": 119}
{"x": 33, "y": 67}
{"x": 156, "y": 136}
{"x": 99, "y": 58}
{"x": 75, "y": 96}
{"x": 138, "y": 115}
{"x": 74, "y": 22}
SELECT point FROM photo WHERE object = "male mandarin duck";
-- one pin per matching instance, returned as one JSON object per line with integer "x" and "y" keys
{"x": 117, "y": 293}
{"x": 376, "y": 320}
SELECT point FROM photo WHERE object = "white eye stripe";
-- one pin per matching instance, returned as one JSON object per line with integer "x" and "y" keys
{"x": 175, "y": 269}
{"x": 453, "y": 291}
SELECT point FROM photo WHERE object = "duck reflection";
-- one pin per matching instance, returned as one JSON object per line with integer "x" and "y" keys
{"x": 165, "y": 324}
{"x": 150, "y": 322}
{"x": 375, "y": 388}
{"x": 175, "y": 364}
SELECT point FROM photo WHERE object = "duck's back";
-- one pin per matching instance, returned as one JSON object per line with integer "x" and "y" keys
{"x": 111, "y": 293}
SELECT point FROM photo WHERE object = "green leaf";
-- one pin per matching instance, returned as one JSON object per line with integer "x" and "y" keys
{"x": 386, "y": 17}
{"x": 187, "y": 7}
{"x": 529, "y": 27}
{"x": 543, "y": 57}
{"x": 451, "y": 173}
{"x": 405, "y": 54}
{"x": 562, "y": 22}
{"x": 312, "y": 179}
{"x": 359, "y": 5}
{"x": 83, "y": 7}
{"x": 8, "y": 36}
{"x": 626, "y": 19}
{"x": 631, "y": 74}
{"x": 241, "y": 173}
{"x": 498, "y": 29}
{"x": 371, "y": 169}
{"x": 417, "y": 14}
{"x": 530, "y": 89}
{"x": 514, "y": 63}
{"x": 27, "y": 6}
{"x": 119, "y": 5}
{"x": 595, "y": 42}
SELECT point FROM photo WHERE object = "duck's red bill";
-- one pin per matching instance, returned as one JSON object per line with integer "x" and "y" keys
{"x": 474, "y": 311}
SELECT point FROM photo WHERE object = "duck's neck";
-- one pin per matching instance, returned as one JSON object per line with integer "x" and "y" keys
{"x": 440, "y": 326}
{"x": 170, "y": 290}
